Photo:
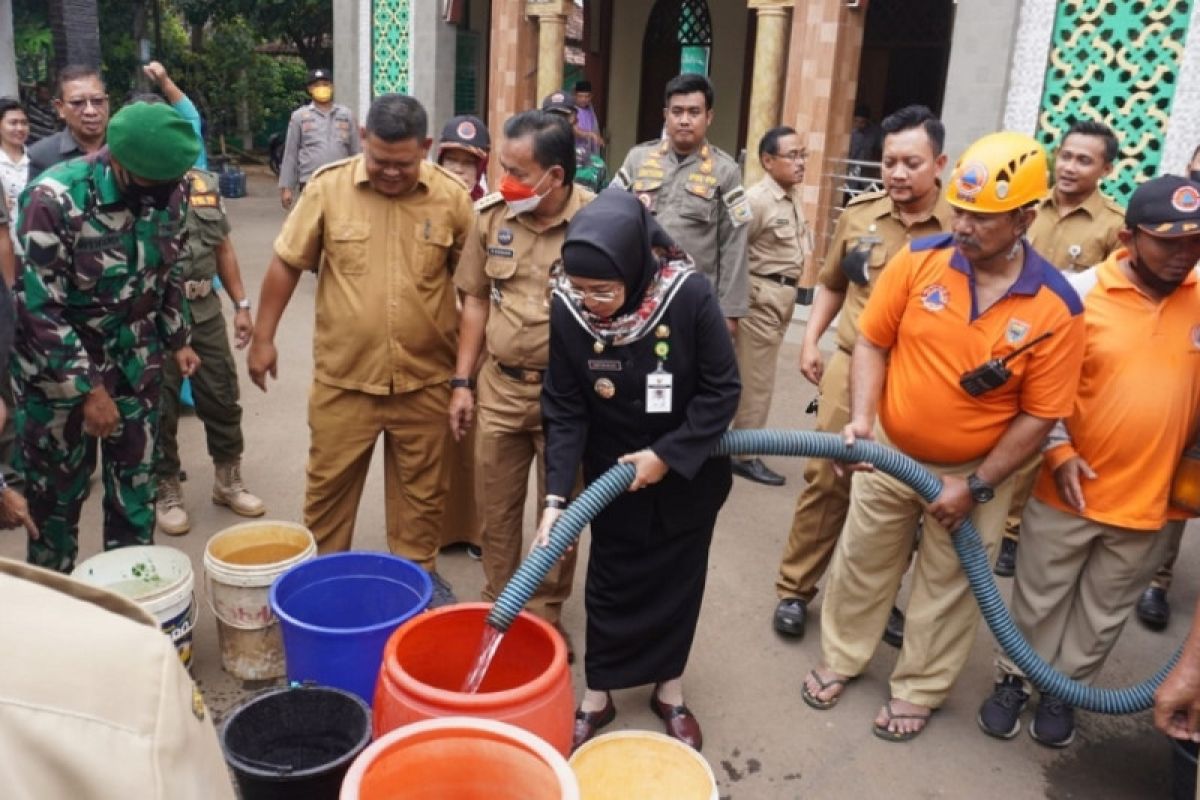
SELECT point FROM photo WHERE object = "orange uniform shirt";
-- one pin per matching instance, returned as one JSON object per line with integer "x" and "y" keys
{"x": 1138, "y": 405}
{"x": 923, "y": 310}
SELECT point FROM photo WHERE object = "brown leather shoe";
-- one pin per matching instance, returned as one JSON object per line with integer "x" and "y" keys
{"x": 679, "y": 721}
{"x": 588, "y": 722}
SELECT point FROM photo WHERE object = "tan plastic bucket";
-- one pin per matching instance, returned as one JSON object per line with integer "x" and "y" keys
{"x": 240, "y": 564}
{"x": 642, "y": 765}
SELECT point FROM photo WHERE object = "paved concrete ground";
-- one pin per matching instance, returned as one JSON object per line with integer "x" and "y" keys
{"x": 743, "y": 682}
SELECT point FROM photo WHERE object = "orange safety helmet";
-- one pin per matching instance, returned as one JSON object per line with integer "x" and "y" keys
{"x": 998, "y": 173}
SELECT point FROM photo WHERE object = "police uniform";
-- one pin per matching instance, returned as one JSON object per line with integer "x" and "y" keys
{"x": 215, "y": 383}
{"x": 508, "y": 258}
{"x": 699, "y": 200}
{"x": 1083, "y": 238}
{"x": 872, "y": 223}
{"x": 778, "y": 244}
{"x": 98, "y": 304}
{"x": 94, "y": 701}
{"x": 314, "y": 139}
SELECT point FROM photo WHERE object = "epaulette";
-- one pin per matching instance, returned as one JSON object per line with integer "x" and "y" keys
{"x": 1113, "y": 205}
{"x": 867, "y": 197}
{"x": 330, "y": 166}
{"x": 488, "y": 200}
{"x": 721, "y": 153}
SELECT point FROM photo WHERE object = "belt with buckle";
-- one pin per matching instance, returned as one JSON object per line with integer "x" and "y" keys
{"x": 194, "y": 290}
{"x": 521, "y": 374}
{"x": 782, "y": 280}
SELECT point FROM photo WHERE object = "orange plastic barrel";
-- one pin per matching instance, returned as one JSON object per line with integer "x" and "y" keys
{"x": 428, "y": 658}
{"x": 463, "y": 759}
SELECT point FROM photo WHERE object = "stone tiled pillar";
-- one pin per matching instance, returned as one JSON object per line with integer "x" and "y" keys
{"x": 511, "y": 84}
{"x": 822, "y": 79}
{"x": 766, "y": 86}
{"x": 551, "y": 17}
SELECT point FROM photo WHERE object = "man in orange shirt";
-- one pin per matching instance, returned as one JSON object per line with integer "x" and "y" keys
{"x": 1100, "y": 519}
{"x": 969, "y": 350}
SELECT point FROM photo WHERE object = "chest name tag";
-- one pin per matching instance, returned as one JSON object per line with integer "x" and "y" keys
{"x": 500, "y": 252}
{"x": 658, "y": 392}
{"x": 604, "y": 365}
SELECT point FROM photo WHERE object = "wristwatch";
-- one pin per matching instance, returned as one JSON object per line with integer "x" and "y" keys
{"x": 243, "y": 304}
{"x": 462, "y": 383}
{"x": 981, "y": 490}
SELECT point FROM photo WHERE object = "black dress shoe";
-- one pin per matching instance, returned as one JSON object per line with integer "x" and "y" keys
{"x": 790, "y": 616}
{"x": 893, "y": 634}
{"x": 1006, "y": 562}
{"x": 755, "y": 470}
{"x": 678, "y": 721}
{"x": 1153, "y": 609}
{"x": 588, "y": 722}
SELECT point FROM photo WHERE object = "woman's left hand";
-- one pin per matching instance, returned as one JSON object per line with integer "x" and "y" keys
{"x": 650, "y": 468}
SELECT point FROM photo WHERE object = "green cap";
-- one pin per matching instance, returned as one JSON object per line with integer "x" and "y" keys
{"x": 152, "y": 141}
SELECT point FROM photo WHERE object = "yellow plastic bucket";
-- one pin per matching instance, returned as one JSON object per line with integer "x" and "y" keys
{"x": 240, "y": 564}
{"x": 642, "y": 765}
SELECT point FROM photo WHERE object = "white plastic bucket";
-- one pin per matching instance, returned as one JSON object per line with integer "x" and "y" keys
{"x": 641, "y": 764}
{"x": 159, "y": 579}
{"x": 240, "y": 564}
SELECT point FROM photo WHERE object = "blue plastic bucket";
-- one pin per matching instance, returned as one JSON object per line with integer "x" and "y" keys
{"x": 336, "y": 613}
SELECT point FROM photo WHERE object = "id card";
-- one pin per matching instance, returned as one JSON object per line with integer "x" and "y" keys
{"x": 658, "y": 392}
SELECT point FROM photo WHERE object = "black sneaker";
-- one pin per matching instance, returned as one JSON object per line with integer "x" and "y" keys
{"x": 1006, "y": 562}
{"x": 790, "y": 615}
{"x": 1000, "y": 714}
{"x": 1153, "y": 610}
{"x": 893, "y": 632}
{"x": 1053, "y": 723}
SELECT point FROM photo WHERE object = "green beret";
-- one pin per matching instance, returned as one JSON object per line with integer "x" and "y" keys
{"x": 152, "y": 141}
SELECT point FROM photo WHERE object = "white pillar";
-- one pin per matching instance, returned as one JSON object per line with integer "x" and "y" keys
{"x": 434, "y": 43}
{"x": 8, "y": 52}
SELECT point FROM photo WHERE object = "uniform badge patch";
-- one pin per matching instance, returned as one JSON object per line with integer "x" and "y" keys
{"x": 739, "y": 207}
{"x": 1016, "y": 331}
{"x": 1186, "y": 199}
{"x": 504, "y": 236}
{"x": 935, "y": 297}
{"x": 970, "y": 181}
{"x": 466, "y": 130}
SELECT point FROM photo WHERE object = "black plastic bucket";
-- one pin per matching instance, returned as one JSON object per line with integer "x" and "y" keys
{"x": 295, "y": 742}
{"x": 1183, "y": 769}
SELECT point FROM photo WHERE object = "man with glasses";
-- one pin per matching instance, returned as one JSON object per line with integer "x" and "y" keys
{"x": 778, "y": 243}
{"x": 504, "y": 278}
{"x": 82, "y": 104}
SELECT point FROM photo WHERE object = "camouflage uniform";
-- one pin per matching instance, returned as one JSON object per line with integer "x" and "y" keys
{"x": 98, "y": 302}
{"x": 215, "y": 383}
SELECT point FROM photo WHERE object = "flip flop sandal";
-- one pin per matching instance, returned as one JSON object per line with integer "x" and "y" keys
{"x": 816, "y": 702}
{"x": 884, "y": 732}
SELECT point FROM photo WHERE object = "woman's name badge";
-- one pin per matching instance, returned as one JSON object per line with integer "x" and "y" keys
{"x": 658, "y": 392}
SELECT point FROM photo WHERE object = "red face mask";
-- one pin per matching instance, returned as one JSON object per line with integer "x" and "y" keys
{"x": 512, "y": 189}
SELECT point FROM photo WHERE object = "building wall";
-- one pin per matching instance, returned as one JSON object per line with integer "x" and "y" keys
{"x": 977, "y": 82}
{"x": 625, "y": 72}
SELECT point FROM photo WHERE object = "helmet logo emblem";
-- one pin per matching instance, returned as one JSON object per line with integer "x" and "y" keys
{"x": 1186, "y": 199}
{"x": 971, "y": 180}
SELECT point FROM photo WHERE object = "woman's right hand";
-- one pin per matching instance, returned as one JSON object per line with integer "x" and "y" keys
{"x": 542, "y": 537}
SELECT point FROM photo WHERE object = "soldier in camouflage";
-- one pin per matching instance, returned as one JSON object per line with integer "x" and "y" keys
{"x": 207, "y": 252}
{"x": 98, "y": 302}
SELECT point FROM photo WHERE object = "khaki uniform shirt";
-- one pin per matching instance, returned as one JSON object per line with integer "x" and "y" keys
{"x": 386, "y": 319}
{"x": 1083, "y": 238}
{"x": 94, "y": 701}
{"x": 871, "y": 220}
{"x": 508, "y": 258}
{"x": 778, "y": 236}
{"x": 699, "y": 200}
{"x": 314, "y": 139}
{"x": 207, "y": 226}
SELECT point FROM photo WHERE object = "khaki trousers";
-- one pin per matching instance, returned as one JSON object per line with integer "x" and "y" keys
{"x": 821, "y": 506}
{"x": 464, "y": 522}
{"x": 1023, "y": 480}
{"x": 868, "y": 564}
{"x": 510, "y": 439}
{"x": 344, "y": 426}
{"x": 760, "y": 335}
{"x": 1076, "y": 582}
{"x": 1166, "y": 573}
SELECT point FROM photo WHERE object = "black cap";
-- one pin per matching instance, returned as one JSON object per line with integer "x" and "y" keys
{"x": 583, "y": 86}
{"x": 1166, "y": 206}
{"x": 557, "y": 103}
{"x": 465, "y": 133}
{"x": 318, "y": 74}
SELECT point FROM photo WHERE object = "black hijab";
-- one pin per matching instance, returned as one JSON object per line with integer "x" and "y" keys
{"x": 613, "y": 238}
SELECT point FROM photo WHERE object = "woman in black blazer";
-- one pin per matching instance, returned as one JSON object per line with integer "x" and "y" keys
{"x": 642, "y": 371}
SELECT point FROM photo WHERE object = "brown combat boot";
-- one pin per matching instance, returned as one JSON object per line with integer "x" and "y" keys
{"x": 228, "y": 491}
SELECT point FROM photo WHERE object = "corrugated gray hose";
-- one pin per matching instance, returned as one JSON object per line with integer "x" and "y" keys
{"x": 810, "y": 444}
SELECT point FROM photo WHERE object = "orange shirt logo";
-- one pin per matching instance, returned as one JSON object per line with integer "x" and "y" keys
{"x": 935, "y": 297}
{"x": 1016, "y": 331}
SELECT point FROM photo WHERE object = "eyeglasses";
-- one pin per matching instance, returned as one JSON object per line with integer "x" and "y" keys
{"x": 795, "y": 155}
{"x": 580, "y": 295}
{"x": 84, "y": 102}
